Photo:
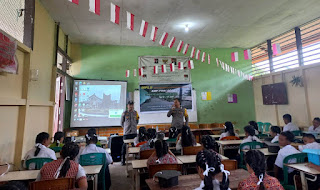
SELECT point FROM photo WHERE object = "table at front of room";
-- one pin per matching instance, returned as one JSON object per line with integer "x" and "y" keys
{"x": 304, "y": 169}
{"x": 228, "y": 144}
{"x": 33, "y": 174}
{"x": 193, "y": 181}
{"x": 127, "y": 142}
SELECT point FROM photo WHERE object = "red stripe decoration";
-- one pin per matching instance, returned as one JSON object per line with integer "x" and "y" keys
{"x": 153, "y": 33}
{"x": 172, "y": 41}
{"x": 140, "y": 71}
{"x": 217, "y": 60}
{"x": 203, "y": 59}
{"x": 180, "y": 66}
{"x": 209, "y": 59}
{"x": 74, "y": 1}
{"x": 155, "y": 69}
{"x": 172, "y": 67}
{"x": 198, "y": 54}
{"x": 163, "y": 68}
{"x": 247, "y": 54}
{"x": 127, "y": 73}
{"x": 193, "y": 51}
{"x": 180, "y": 46}
{"x": 94, "y": 6}
{"x": 134, "y": 72}
{"x": 163, "y": 38}
{"x": 130, "y": 21}
{"x": 234, "y": 56}
{"x": 190, "y": 64}
{"x": 114, "y": 13}
{"x": 143, "y": 28}
{"x": 185, "y": 49}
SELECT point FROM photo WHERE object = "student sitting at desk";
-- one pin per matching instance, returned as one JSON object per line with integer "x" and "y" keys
{"x": 289, "y": 126}
{"x": 185, "y": 139}
{"x": 275, "y": 132}
{"x": 162, "y": 155}
{"x": 141, "y": 138}
{"x": 41, "y": 149}
{"x": 208, "y": 143}
{"x": 255, "y": 126}
{"x": 315, "y": 125}
{"x": 259, "y": 179}
{"x": 208, "y": 166}
{"x": 65, "y": 167}
{"x": 173, "y": 133}
{"x": 229, "y": 130}
{"x": 57, "y": 140}
{"x": 250, "y": 136}
{"x": 310, "y": 142}
{"x": 285, "y": 140}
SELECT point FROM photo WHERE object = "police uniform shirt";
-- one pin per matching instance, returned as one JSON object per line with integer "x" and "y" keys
{"x": 177, "y": 117}
{"x": 129, "y": 122}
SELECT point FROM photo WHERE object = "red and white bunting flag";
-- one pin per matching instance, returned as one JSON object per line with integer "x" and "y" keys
{"x": 115, "y": 14}
{"x": 209, "y": 59}
{"x": 180, "y": 46}
{"x": 217, "y": 60}
{"x": 163, "y": 68}
{"x": 134, "y": 72}
{"x": 94, "y": 6}
{"x": 153, "y": 33}
{"x": 140, "y": 71}
{"x": 198, "y": 54}
{"x": 130, "y": 21}
{"x": 203, "y": 58}
{"x": 190, "y": 64}
{"x": 193, "y": 51}
{"x": 226, "y": 66}
{"x": 276, "y": 49}
{"x": 172, "y": 67}
{"x": 180, "y": 66}
{"x": 155, "y": 69}
{"x": 163, "y": 38}
{"x": 239, "y": 74}
{"x": 143, "y": 28}
{"x": 223, "y": 66}
{"x": 185, "y": 49}
{"x": 127, "y": 73}
{"x": 74, "y": 1}
{"x": 172, "y": 41}
{"x": 247, "y": 54}
{"x": 234, "y": 56}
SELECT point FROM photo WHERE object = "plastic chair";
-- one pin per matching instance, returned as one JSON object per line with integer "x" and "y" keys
{"x": 266, "y": 127}
{"x": 230, "y": 138}
{"x": 37, "y": 163}
{"x": 96, "y": 159}
{"x": 296, "y": 133}
{"x": 56, "y": 149}
{"x": 300, "y": 157}
{"x": 252, "y": 145}
{"x": 146, "y": 154}
{"x": 260, "y": 127}
{"x": 61, "y": 183}
{"x": 191, "y": 150}
{"x": 153, "y": 169}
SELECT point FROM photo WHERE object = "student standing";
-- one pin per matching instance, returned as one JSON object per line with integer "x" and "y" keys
{"x": 178, "y": 113}
{"x": 129, "y": 122}
{"x": 310, "y": 142}
{"x": 316, "y": 125}
{"x": 287, "y": 119}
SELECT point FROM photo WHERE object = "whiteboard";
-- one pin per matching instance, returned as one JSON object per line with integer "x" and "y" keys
{"x": 161, "y": 117}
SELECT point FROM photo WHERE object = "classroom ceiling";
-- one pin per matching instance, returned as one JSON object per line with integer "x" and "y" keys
{"x": 213, "y": 23}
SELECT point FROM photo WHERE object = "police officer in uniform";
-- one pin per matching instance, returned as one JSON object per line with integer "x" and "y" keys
{"x": 178, "y": 113}
{"x": 129, "y": 122}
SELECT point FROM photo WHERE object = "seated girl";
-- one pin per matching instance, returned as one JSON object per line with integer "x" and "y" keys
{"x": 285, "y": 140}
{"x": 229, "y": 131}
{"x": 173, "y": 133}
{"x": 162, "y": 155}
{"x": 57, "y": 140}
{"x": 142, "y": 137}
{"x": 310, "y": 142}
{"x": 208, "y": 166}
{"x": 250, "y": 135}
{"x": 259, "y": 179}
{"x": 93, "y": 131}
{"x": 40, "y": 150}
{"x": 65, "y": 167}
{"x": 255, "y": 126}
{"x": 208, "y": 143}
{"x": 185, "y": 139}
{"x": 275, "y": 132}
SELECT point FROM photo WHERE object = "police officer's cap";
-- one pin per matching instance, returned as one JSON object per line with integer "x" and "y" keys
{"x": 130, "y": 102}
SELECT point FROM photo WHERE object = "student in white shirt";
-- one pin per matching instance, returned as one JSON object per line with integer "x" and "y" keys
{"x": 289, "y": 126}
{"x": 141, "y": 137}
{"x": 208, "y": 166}
{"x": 40, "y": 150}
{"x": 275, "y": 132}
{"x": 315, "y": 125}
{"x": 229, "y": 130}
{"x": 250, "y": 136}
{"x": 185, "y": 139}
{"x": 255, "y": 126}
{"x": 310, "y": 142}
{"x": 285, "y": 140}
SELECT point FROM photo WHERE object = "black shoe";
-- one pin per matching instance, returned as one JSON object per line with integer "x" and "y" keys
{"x": 123, "y": 164}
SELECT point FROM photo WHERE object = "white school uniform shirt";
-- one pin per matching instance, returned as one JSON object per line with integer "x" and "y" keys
{"x": 250, "y": 139}
{"x": 311, "y": 129}
{"x": 290, "y": 127}
{"x": 45, "y": 152}
{"x": 92, "y": 148}
{"x": 275, "y": 139}
{"x": 216, "y": 185}
{"x": 227, "y": 134}
{"x": 284, "y": 152}
{"x": 313, "y": 145}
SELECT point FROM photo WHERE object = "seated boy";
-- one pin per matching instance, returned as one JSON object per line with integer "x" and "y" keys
{"x": 287, "y": 119}
{"x": 285, "y": 140}
{"x": 310, "y": 142}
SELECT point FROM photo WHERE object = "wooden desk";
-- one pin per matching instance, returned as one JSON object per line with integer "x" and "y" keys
{"x": 303, "y": 168}
{"x": 218, "y": 136}
{"x": 224, "y": 145}
{"x": 189, "y": 159}
{"x": 188, "y": 182}
{"x": 127, "y": 142}
{"x": 33, "y": 174}
{"x": 265, "y": 151}
{"x": 133, "y": 150}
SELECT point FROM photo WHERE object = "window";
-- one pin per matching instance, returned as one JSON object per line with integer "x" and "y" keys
{"x": 260, "y": 60}
{"x": 310, "y": 37}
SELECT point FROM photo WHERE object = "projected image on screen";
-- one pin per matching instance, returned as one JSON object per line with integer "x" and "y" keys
{"x": 98, "y": 103}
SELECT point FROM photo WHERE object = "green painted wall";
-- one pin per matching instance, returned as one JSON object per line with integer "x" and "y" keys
{"x": 110, "y": 63}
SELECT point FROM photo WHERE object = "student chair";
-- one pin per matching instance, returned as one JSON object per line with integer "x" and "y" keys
{"x": 230, "y": 164}
{"x": 146, "y": 154}
{"x": 96, "y": 159}
{"x": 300, "y": 157}
{"x": 153, "y": 169}
{"x": 191, "y": 150}
{"x": 296, "y": 133}
{"x": 230, "y": 138}
{"x": 59, "y": 184}
{"x": 260, "y": 127}
{"x": 252, "y": 145}
{"x": 266, "y": 127}
{"x": 56, "y": 149}
{"x": 37, "y": 163}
